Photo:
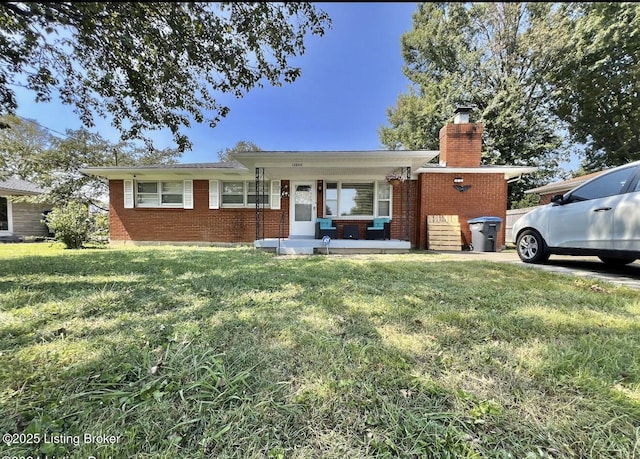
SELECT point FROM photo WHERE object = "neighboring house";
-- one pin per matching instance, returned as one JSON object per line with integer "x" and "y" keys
{"x": 281, "y": 194}
{"x": 549, "y": 190}
{"x": 19, "y": 219}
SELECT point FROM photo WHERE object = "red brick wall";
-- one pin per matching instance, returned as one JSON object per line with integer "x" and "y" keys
{"x": 189, "y": 225}
{"x": 486, "y": 197}
{"x": 431, "y": 194}
{"x": 398, "y": 213}
{"x": 546, "y": 198}
{"x": 461, "y": 145}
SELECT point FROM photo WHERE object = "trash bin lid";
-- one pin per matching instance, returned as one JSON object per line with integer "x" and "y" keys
{"x": 485, "y": 220}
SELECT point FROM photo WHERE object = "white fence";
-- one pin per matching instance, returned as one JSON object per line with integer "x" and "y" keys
{"x": 512, "y": 216}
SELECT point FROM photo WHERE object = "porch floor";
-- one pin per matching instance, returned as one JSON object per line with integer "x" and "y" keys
{"x": 309, "y": 246}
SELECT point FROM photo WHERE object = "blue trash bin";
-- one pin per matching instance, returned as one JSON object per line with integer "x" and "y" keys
{"x": 484, "y": 233}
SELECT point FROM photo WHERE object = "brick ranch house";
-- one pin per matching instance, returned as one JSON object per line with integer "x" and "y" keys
{"x": 281, "y": 194}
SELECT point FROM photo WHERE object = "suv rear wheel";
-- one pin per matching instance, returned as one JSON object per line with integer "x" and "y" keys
{"x": 531, "y": 247}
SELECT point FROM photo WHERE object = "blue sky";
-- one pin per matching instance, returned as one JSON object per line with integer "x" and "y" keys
{"x": 350, "y": 76}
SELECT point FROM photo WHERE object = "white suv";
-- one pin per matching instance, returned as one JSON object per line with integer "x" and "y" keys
{"x": 599, "y": 218}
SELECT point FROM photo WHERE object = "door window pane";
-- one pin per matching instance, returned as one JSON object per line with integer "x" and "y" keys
{"x": 303, "y": 203}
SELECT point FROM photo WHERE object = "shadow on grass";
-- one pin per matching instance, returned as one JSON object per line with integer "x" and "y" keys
{"x": 320, "y": 357}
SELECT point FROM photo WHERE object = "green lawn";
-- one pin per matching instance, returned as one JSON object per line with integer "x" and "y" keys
{"x": 209, "y": 352}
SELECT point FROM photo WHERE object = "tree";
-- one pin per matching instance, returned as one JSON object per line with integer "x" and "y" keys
{"x": 486, "y": 55}
{"x": 22, "y": 144}
{"x": 30, "y": 152}
{"x": 596, "y": 85}
{"x": 150, "y": 65}
{"x": 242, "y": 145}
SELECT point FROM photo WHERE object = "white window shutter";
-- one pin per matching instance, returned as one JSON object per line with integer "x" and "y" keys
{"x": 214, "y": 201}
{"x": 187, "y": 197}
{"x": 128, "y": 194}
{"x": 275, "y": 194}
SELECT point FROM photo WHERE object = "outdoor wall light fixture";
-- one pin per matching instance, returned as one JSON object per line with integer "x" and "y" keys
{"x": 319, "y": 186}
{"x": 284, "y": 190}
{"x": 457, "y": 184}
{"x": 461, "y": 188}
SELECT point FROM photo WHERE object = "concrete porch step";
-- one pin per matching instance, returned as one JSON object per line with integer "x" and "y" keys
{"x": 295, "y": 250}
{"x": 308, "y": 246}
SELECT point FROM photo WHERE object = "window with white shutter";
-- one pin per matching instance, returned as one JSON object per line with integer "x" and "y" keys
{"x": 214, "y": 200}
{"x": 128, "y": 194}
{"x": 188, "y": 194}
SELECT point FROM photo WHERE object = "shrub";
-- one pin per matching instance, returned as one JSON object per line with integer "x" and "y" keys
{"x": 70, "y": 224}
{"x": 100, "y": 227}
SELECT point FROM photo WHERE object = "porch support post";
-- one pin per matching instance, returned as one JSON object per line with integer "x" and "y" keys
{"x": 408, "y": 214}
{"x": 263, "y": 202}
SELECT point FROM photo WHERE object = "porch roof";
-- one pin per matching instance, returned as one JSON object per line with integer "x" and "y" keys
{"x": 282, "y": 165}
{"x": 333, "y": 164}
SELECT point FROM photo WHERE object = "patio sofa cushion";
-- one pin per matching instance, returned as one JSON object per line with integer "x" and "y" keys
{"x": 381, "y": 228}
{"x": 326, "y": 223}
{"x": 378, "y": 223}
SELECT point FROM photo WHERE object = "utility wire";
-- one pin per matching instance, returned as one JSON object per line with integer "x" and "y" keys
{"x": 45, "y": 127}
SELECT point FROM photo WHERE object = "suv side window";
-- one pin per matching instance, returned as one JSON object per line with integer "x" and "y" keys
{"x": 605, "y": 185}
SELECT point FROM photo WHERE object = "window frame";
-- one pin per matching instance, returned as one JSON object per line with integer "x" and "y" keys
{"x": 158, "y": 195}
{"x": 245, "y": 195}
{"x": 375, "y": 194}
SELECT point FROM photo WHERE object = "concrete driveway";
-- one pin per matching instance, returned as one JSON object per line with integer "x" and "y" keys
{"x": 590, "y": 267}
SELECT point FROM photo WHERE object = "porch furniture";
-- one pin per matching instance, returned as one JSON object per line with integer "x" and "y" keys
{"x": 324, "y": 227}
{"x": 350, "y": 232}
{"x": 380, "y": 229}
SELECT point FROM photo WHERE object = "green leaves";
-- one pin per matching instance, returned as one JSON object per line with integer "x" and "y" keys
{"x": 596, "y": 85}
{"x": 30, "y": 152}
{"x": 488, "y": 55}
{"x": 149, "y": 66}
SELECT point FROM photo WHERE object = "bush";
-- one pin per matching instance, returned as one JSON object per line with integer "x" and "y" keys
{"x": 70, "y": 224}
{"x": 100, "y": 227}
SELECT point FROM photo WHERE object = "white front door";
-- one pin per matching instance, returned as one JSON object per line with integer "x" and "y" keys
{"x": 303, "y": 209}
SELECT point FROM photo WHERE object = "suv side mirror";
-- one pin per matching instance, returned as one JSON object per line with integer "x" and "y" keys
{"x": 557, "y": 199}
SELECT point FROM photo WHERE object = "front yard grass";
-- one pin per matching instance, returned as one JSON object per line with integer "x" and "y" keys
{"x": 171, "y": 352}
